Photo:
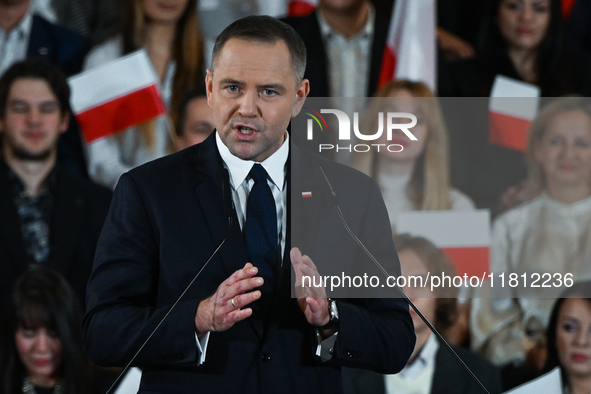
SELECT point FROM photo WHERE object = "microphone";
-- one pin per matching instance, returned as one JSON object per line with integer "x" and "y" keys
{"x": 227, "y": 195}
{"x": 332, "y": 198}
{"x": 229, "y": 212}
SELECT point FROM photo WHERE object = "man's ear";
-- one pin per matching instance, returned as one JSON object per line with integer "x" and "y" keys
{"x": 65, "y": 122}
{"x": 209, "y": 86}
{"x": 301, "y": 94}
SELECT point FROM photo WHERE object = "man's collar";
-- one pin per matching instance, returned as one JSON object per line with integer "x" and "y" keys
{"x": 50, "y": 182}
{"x": 239, "y": 169}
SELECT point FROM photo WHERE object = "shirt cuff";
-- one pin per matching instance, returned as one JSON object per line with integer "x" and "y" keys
{"x": 325, "y": 347}
{"x": 202, "y": 347}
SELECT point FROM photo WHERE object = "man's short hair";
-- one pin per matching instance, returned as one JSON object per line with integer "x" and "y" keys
{"x": 196, "y": 92}
{"x": 265, "y": 29}
{"x": 37, "y": 69}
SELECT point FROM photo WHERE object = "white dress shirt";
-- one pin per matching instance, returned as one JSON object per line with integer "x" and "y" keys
{"x": 241, "y": 184}
{"x": 348, "y": 58}
{"x": 15, "y": 42}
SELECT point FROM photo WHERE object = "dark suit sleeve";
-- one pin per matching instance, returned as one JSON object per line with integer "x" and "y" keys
{"x": 121, "y": 302}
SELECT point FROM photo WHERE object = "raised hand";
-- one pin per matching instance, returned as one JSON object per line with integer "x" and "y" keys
{"x": 225, "y": 307}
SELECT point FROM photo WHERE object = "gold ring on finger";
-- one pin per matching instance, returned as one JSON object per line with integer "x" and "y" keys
{"x": 233, "y": 304}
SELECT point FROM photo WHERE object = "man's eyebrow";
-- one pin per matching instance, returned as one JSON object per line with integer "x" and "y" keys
{"x": 24, "y": 101}
{"x": 230, "y": 81}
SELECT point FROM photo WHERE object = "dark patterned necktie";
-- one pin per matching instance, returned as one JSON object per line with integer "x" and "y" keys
{"x": 261, "y": 228}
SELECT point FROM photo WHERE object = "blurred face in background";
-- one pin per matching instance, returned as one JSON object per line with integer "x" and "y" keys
{"x": 564, "y": 151}
{"x": 403, "y": 101}
{"x": 198, "y": 123}
{"x": 342, "y": 6}
{"x": 573, "y": 337}
{"x": 164, "y": 11}
{"x": 523, "y": 23}
{"x": 32, "y": 122}
{"x": 411, "y": 264}
{"x": 40, "y": 351}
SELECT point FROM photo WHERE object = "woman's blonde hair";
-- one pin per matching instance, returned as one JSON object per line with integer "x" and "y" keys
{"x": 187, "y": 53}
{"x": 536, "y": 179}
{"x": 429, "y": 185}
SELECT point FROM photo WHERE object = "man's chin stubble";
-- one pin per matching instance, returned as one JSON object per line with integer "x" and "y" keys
{"x": 23, "y": 155}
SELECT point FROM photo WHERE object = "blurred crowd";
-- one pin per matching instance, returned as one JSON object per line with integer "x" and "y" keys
{"x": 55, "y": 187}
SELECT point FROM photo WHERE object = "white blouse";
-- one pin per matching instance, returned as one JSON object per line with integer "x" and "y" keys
{"x": 541, "y": 236}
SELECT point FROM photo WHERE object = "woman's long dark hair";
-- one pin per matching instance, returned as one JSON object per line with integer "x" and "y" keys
{"x": 187, "y": 52}
{"x": 578, "y": 290}
{"x": 552, "y": 64}
{"x": 43, "y": 298}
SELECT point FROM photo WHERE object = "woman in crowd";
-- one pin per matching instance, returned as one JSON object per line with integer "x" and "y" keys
{"x": 548, "y": 235}
{"x": 171, "y": 36}
{"x": 523, "y": 40}
{"x": 431, "y": 368}
{"x": 416, "y": 178}
{"x": 569, "y": 339}
{"x": 40, "y": 344}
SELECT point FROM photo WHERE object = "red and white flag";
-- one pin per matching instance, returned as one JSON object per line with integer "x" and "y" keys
{"x": 115, "y": 96}
{"x": 512, "y": 108}
{"x": 410, "y": 51}
{"x": 464, "y": 236}
{"x": 301, "y": 7}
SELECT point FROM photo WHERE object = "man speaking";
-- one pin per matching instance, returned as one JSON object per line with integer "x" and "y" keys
{"x": 237, "y": 330}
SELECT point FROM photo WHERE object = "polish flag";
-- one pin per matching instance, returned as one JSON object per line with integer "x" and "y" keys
{"x": 301, "y": 7}
{"x": 464, "y": 236}
{"x": 512, "y": 108}
{"x": 410, "y": 51}
{"x": 115, "y": 96}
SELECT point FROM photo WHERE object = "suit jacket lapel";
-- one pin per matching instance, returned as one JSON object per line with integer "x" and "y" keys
{"x": 40, "y": 44}
{"x": 378, "y": 46}
{"x": 209, "y": 191}
{"x": 307, "y": 211}
{"x": 316, "y": 67}
{"x": 446, "y": 372}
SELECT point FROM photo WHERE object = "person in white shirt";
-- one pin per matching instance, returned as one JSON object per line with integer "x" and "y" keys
{"x": 546, "y": 236}
{"x": 171, "y": 36}
{"x": 416, "y": 177}
{"x": 431, "y": 368}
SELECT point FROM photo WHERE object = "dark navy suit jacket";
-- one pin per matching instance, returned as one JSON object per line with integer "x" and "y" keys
{"x": 57, "y": 45}
{"x": 166, "y": 218}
